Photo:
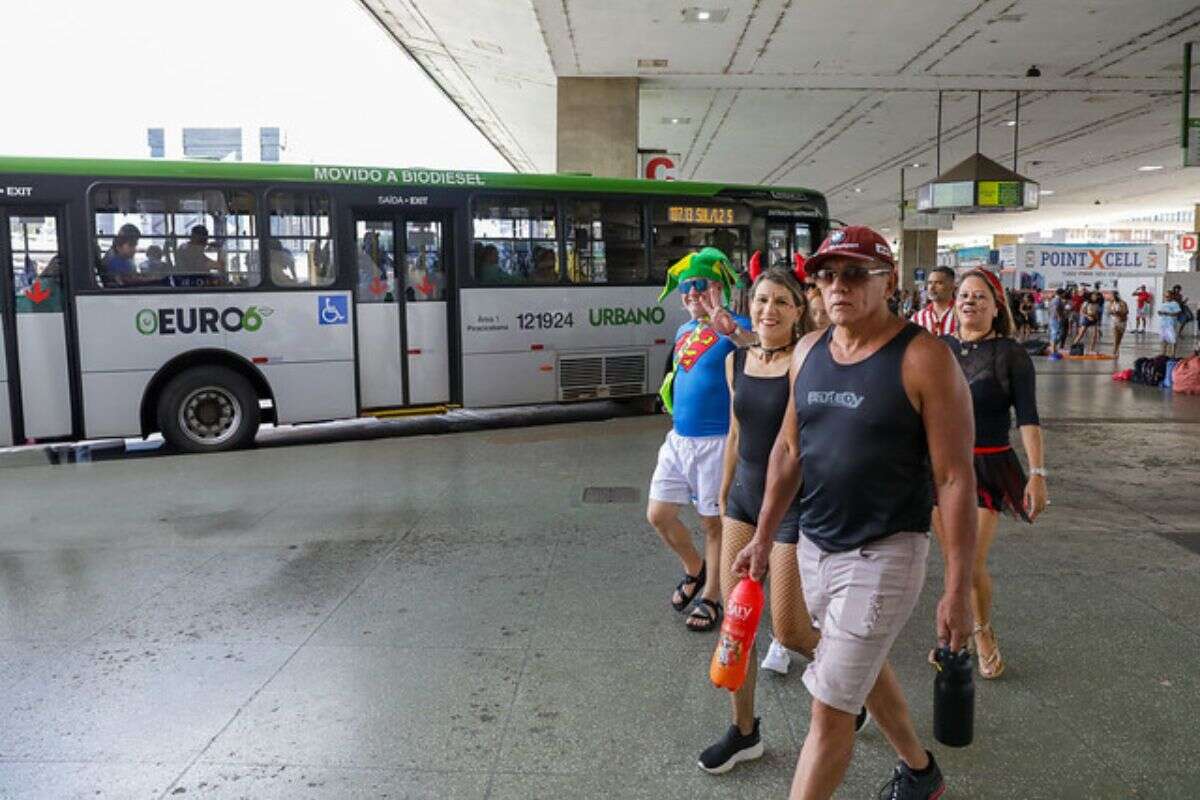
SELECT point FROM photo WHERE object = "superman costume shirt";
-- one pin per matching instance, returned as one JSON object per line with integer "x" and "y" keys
{"x": 701, "y": 403}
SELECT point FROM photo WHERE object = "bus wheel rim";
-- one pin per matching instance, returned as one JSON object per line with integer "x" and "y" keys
{"x": 210, "y": 415}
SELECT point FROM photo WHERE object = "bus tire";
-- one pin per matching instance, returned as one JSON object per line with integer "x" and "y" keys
{"x": 208, "y": 409}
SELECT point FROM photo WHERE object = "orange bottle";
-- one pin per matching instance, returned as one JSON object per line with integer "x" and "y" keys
{"x": 732, "y": 656}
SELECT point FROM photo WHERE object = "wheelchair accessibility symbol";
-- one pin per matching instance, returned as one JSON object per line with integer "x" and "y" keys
{"x": 332, "y": 309}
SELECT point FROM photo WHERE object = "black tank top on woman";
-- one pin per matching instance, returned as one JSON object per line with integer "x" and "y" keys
{"x": 759, "y": 405}
{"x": 863, "y": 448}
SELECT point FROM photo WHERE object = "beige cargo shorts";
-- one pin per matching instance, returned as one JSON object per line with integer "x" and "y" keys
{"x": 860, "y": 600}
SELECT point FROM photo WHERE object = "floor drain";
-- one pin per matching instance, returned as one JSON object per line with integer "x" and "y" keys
{"x": 610, "y": 494}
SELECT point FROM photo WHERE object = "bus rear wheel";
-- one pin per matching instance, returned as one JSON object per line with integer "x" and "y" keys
{"x": 208, "y": 410}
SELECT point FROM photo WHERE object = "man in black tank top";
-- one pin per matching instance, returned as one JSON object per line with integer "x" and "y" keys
{"x": 879, "y": 415}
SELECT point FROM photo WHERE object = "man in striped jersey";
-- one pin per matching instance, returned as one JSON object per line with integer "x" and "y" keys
{"x": 938, "y": 316}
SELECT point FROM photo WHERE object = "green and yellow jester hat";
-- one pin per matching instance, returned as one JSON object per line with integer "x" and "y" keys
{"x": 709, "y": 263}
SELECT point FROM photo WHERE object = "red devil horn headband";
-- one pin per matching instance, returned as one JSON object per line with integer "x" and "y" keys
{"x": 755, "y": 267}
{"x": 992, "y": 281}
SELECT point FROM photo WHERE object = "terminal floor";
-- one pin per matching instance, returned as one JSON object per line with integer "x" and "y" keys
{"x": 444, "y": 617}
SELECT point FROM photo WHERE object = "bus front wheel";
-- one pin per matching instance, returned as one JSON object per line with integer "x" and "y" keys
{"x": 207, "y": 410}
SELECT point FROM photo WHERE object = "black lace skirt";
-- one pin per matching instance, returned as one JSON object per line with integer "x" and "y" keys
{"x": 1000, "y": 483}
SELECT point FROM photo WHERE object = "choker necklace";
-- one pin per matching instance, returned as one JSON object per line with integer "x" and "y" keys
{"x": 965, "y": 346}
{"x": 770, "y": 351}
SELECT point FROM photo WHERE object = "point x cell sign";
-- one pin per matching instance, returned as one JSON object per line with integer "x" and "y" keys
{"x": 1091, "y": 262}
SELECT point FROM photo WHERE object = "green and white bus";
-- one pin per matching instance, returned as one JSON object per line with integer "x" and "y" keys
{"x": 198, "y": 299}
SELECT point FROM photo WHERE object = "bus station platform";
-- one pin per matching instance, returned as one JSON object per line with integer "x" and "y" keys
{"x": 483, "y": 614}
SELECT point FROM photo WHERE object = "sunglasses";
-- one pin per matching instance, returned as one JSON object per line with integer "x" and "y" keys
{"x": 852, "y": 274}
{"x": 699, "y": 284}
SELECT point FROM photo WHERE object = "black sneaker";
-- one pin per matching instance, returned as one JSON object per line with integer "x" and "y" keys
{"x": 908, "y": 785}
{"x": 861, "y": 720}
{"x": 730, "y": 749}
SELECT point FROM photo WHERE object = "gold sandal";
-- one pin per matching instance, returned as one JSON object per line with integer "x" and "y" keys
{"x": 990, "y": 667}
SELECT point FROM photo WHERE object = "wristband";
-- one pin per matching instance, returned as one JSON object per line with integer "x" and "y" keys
{"x": 1038, "y": 471}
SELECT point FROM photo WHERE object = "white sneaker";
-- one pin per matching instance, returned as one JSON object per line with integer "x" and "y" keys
{"x": 777, "y": 659}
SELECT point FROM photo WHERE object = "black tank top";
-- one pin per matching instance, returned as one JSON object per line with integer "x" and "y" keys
{"x": 863, "y": 447}
{"x": 759, "y": 405}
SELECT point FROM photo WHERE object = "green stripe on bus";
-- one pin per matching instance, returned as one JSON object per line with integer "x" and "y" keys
{"x": 420, "y": 177}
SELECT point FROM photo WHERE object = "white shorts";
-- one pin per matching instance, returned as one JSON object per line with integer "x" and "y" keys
{"x": 689, "y": 470}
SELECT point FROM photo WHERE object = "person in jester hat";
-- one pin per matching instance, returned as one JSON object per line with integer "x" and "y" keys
{"x": 690, "y": 461}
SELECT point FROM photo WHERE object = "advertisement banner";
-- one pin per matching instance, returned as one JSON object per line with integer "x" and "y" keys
{"x": 1092, "y": 263}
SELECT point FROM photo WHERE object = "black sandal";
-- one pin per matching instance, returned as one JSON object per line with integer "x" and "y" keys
{"x": 689, "y": 580}
{"x": 708, "y": 618}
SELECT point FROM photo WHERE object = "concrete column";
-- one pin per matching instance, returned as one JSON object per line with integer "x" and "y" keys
{"x": 1195, "y": 265}
{"x": 598, "y": 126}
{"x": 918, "y": 250}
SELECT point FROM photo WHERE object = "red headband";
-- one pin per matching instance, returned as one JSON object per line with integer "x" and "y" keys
{"x": 990, "y": 278}
{"x": 756, "y": 269}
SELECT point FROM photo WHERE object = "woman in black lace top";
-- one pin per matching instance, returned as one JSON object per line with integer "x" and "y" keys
{"x": 1001, "y": 377}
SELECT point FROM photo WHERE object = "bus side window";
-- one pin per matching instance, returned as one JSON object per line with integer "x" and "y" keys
{"x": 515, "y": 240}
{"x": 604, "y": 242}
{"x": 299, "y": 239}
{"x": 174, "y": 237}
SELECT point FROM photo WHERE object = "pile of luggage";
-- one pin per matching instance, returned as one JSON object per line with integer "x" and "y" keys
{"x": 1180, "y": 375}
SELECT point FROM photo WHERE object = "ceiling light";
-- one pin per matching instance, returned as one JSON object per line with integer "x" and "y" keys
{"x": 1150, "y": 168}
{"x": 858, "y": 190}
{"x": 916, "y": 165}
{"x": 490, "y": 47}
{"x": 1046, "y": 192}
{"x": 885, "y": 230}
{"x": 1012, "y": 123}
{"x": 709, "y": 15}
{"x": 676, "y": 120}
{"x": 652, "y": 63}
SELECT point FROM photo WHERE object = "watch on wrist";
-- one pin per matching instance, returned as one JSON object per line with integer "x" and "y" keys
{"x": 1038, "y": 471}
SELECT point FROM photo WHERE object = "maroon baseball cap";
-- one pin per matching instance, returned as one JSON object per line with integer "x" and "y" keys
{"x": 856, "y": 242}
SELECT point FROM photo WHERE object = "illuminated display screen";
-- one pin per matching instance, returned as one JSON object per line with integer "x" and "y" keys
{"x": 954, "y": 195}
{"x": 707, "y": 215}
{"x": 1005, "y": 194}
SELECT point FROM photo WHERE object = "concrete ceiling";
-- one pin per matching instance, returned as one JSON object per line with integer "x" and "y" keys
{"x": 839, "y": 94}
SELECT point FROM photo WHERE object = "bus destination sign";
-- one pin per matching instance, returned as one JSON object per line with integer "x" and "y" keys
{"x": 706, "y": 215}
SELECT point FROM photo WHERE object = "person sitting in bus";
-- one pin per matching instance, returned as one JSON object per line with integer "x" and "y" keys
{"x": 545, "y": 266}
{"x": 191, "y": 257}
{"x": 282, "y": 263}
{"x": 487, "y": 265}
{"x": 116, "y": 266}
{"x": 155, "y": 263}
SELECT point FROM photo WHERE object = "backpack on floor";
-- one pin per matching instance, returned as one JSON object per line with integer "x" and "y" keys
{"x": 1186, "y": 377}
{"x": 1138, "y": 374}
{"x": 1154, "y": 370}
{"x": 1077, "y": 349}
{"x": 1170, "y": 367}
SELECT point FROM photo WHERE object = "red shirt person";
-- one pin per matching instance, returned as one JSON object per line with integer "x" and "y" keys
{"x": 938, "y": 316}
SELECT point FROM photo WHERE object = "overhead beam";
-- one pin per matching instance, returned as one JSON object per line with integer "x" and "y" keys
{"x": 908, "y": 83}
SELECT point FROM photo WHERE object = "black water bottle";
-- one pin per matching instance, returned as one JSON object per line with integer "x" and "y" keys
{"x": 953, "y": 698}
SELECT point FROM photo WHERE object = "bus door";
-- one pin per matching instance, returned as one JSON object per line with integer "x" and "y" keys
{"x": 786, "y": 239}
{"x": 404, "y": 329}
{"x": 35, "y": 367}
